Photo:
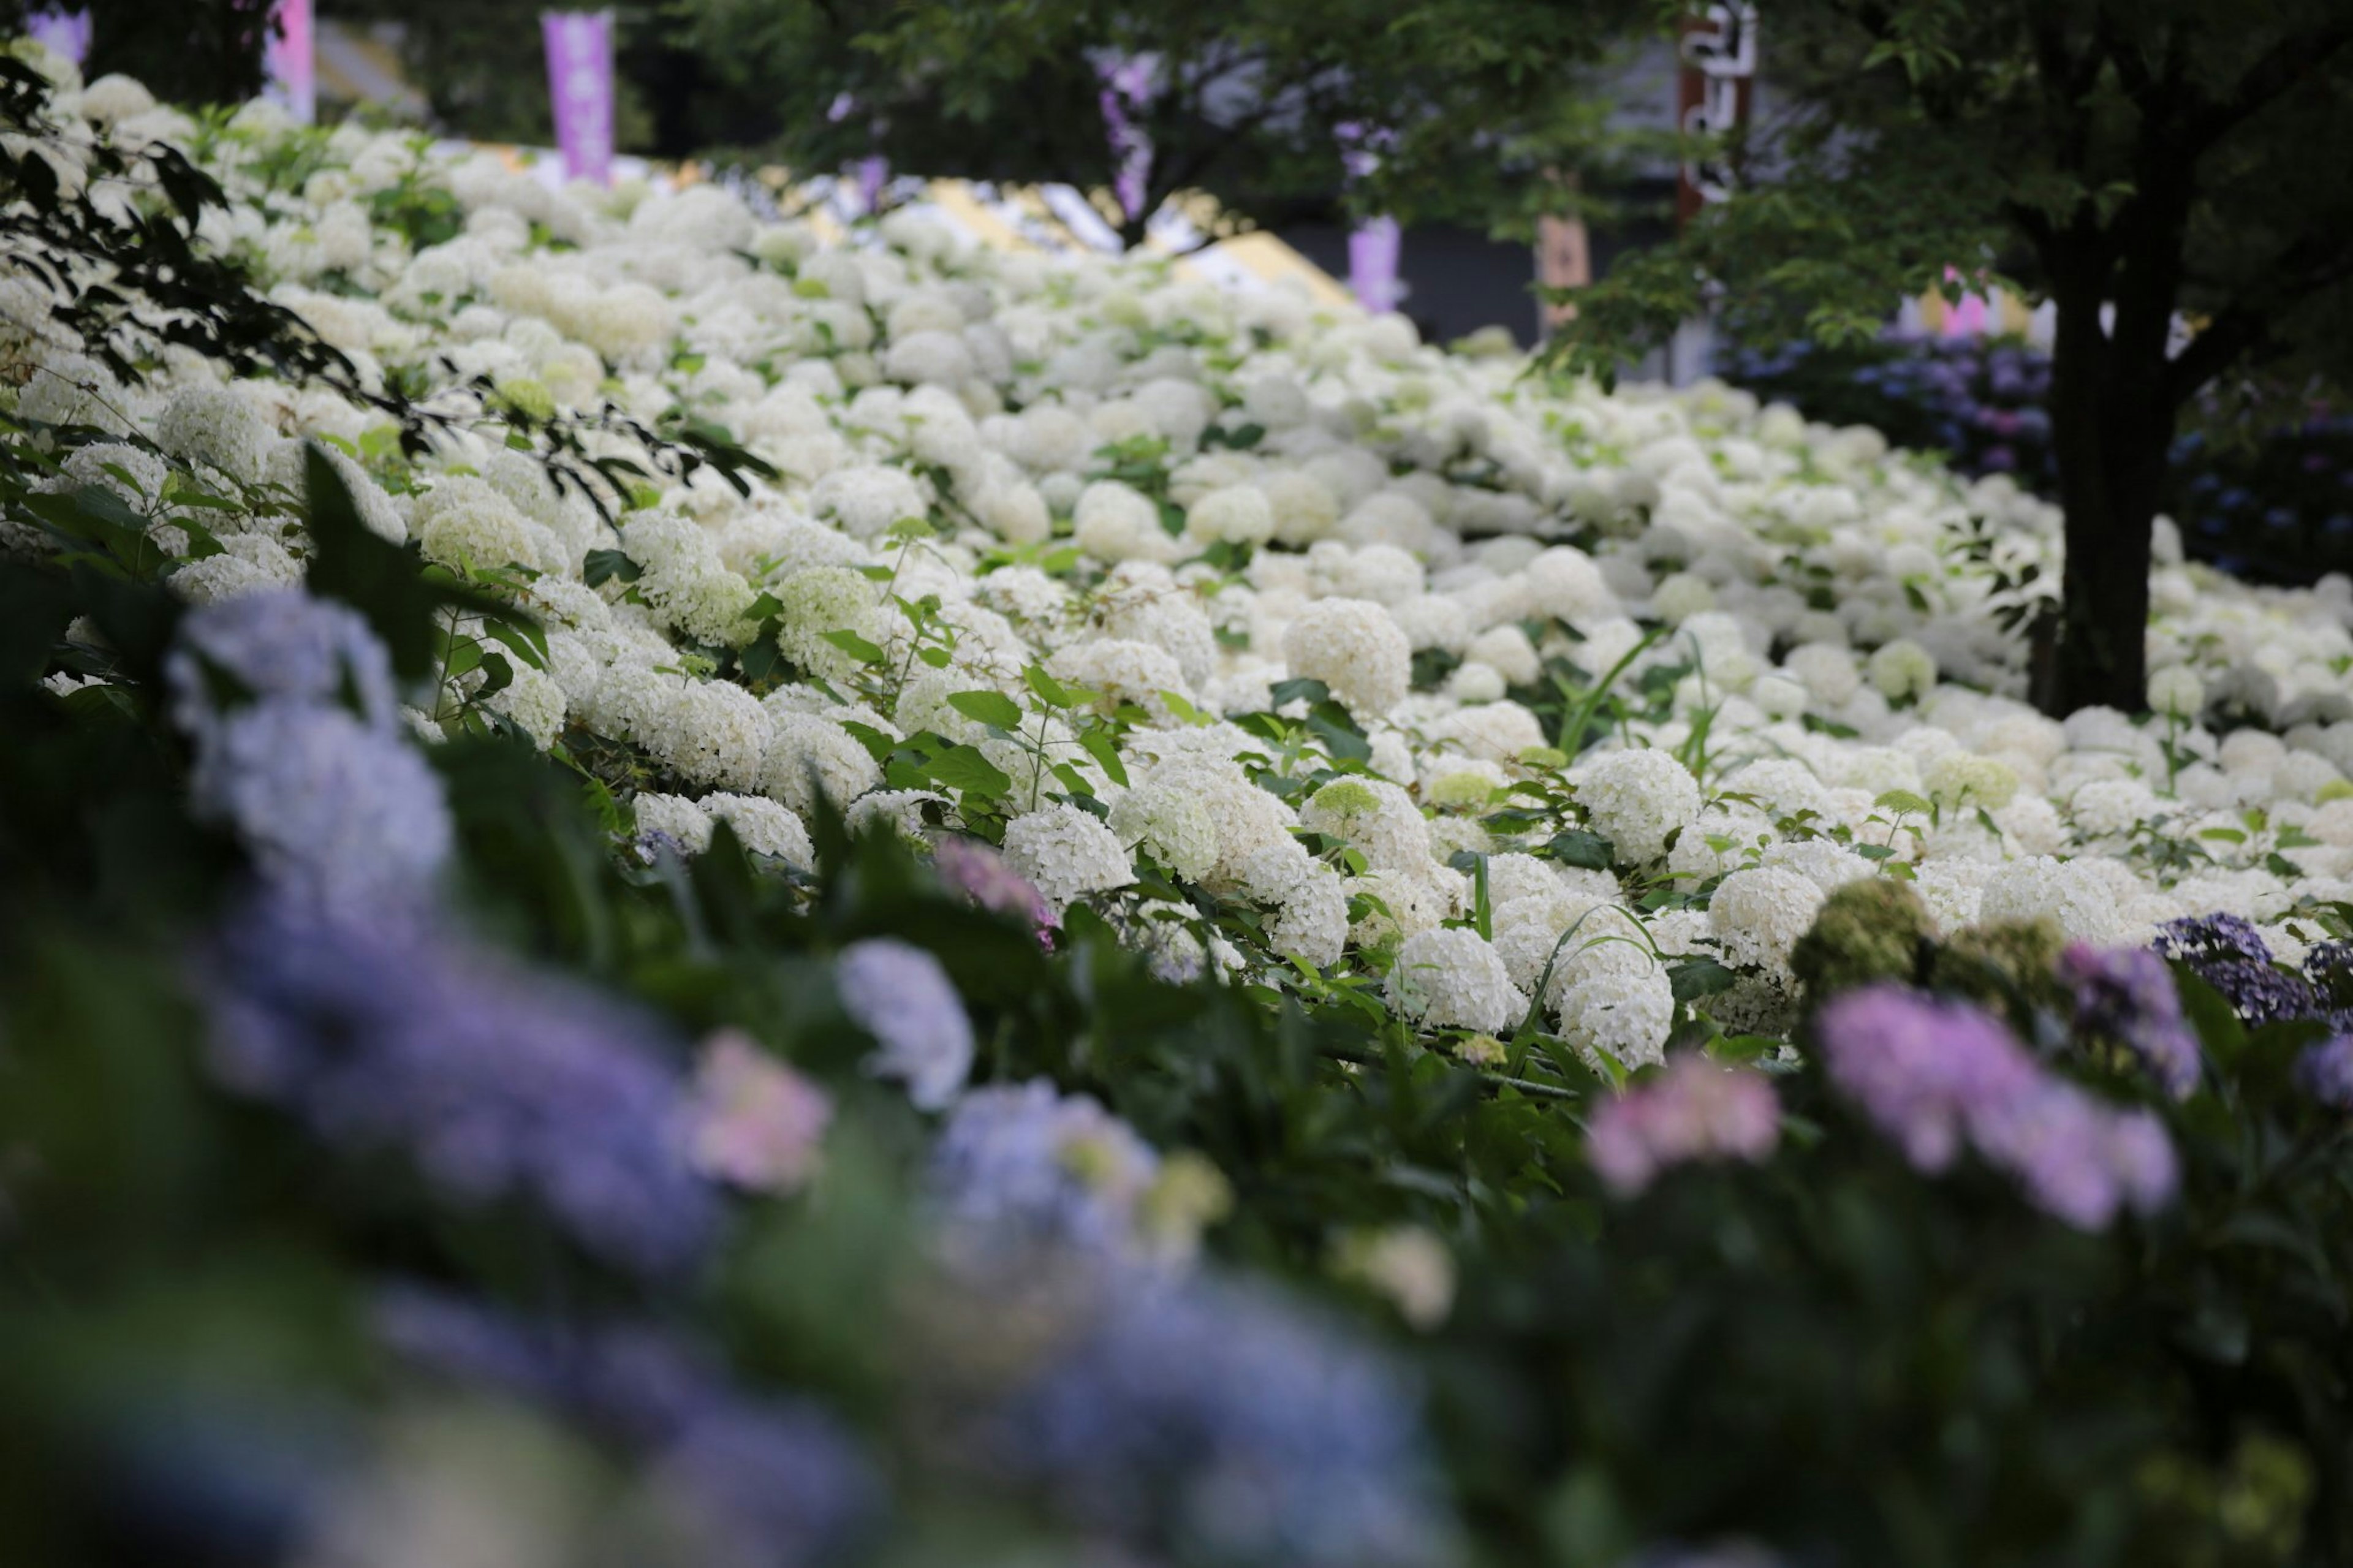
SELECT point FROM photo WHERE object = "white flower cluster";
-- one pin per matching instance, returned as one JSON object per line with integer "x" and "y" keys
{"x": 1807, "y": 638}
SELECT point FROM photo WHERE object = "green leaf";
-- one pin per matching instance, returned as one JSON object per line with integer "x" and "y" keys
{"x": 1337, "y": 729}
{"x": 988, "y": 708}
{"x": 524, "y": 638}
{"x": 1098, "y": 744}
{"x": 967, "y": 771}
{"x": 856, "y": 647}
{"x": 877, "y": 744}
{"x": 1697, "y": 977}
{"x": 1282, "y": 694}
{"x": 1050, "y": 691}
{"x": 600, "y": 566}
{"x": 496, "y": 674}
{"x": 1576, "y": 846}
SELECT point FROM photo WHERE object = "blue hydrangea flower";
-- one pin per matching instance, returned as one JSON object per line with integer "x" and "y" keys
{"x": 1209, "y": 1420}
{"x": 778, "y": 1482}
{"x": 495, "y": 1082}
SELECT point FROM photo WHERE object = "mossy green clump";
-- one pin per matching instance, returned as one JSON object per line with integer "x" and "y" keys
{"x": 2002, "y": 964}
{"x": 1868, "y": 932}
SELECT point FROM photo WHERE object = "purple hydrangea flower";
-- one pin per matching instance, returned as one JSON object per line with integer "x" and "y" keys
{"x": 1209, "y": 1420}
{"x": 1923, "y": 1070}
{"x": 778, "y": 1482}
{"x": 496, "y": 1082}
{"x": 988, "y": 880}
{"x": 2127, "y": 994}
{"x": 2324, "y": 1071}
{"x": 1932, "y": 1074}
{"x": 899, "y": 994}
{"x": 1695, "y": 1109}
{"x": 2230, "y": 954}
{"x": 2329, "y": 969}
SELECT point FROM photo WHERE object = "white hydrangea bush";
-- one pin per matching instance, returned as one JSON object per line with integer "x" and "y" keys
{"x": 1362, "y": 663}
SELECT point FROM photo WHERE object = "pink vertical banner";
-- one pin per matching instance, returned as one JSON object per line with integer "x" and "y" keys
{"x": 1968, "y": 319}
{"x": 1127, "y": 90}
{"x": 580, "y": 82}
{"x": 1376, "y": 244}
{"x": 65, "y": 33}
{"x": 291, "y": 62}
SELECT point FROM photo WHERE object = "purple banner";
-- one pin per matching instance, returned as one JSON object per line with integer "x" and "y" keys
{"x": 1127, "y": 91}
{"x": 580, "y": 82}
{"x": 62, "y": 32}
{"x": 292, "y": 62}
{"x": 1376, "y": 244}
{"x": 870, "y": 172}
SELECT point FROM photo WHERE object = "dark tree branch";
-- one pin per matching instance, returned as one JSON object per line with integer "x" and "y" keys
{"x": 2282, "y": 67}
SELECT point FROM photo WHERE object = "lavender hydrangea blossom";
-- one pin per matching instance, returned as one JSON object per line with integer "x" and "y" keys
{"x": 2127, "y": 994}
{"x": 2329, "y": 969}
{"x": 2324, "y": 1071}
{"x": 899, "y": 994}
{"x": 1933, "y": 1074}
{"x": 494, "y": 1081}
{"x": 776, "y": 1481}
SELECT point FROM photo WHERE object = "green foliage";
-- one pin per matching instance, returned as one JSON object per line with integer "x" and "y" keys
{"x": 1472, "y": 90}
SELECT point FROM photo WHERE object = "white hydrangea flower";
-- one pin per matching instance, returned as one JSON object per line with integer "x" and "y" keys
{"x": 1758, "y": 915}
{"x": 1902, "y": 668}
{"x": 811, "y": 758}
{"x": 1450, "y": 978}
{"x": 1355, "y": 648}
{"x": 2067, "y": 892}
{"x": 1636, "y": 799}
{"x": 1067, "y": 853}
{"x": 1608, "y": 993}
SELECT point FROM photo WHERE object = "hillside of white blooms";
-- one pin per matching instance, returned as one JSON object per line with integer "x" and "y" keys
{"x": 1310, "y": 655}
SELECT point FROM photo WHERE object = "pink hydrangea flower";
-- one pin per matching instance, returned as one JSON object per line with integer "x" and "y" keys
{"x": 1695, "y": 1109}
{"x": 757, "y": 1123}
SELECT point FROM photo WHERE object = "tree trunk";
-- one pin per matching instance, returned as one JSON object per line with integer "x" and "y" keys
{"x": 2112, "y": 427}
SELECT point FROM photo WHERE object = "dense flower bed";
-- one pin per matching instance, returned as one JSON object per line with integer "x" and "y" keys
{"x": 1125, "y": 790}
{"x": 2278, "y": 506}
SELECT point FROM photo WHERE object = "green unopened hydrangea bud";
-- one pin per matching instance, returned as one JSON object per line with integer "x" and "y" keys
{"x": 1189, "y": 1196}
{"x": 532, "y": 399}
{"x": 1346, "y": 797}
{"x": 2003, "y": 962}
{"x": 1868, "y": 930}
{"x": 1480, "y": 1050}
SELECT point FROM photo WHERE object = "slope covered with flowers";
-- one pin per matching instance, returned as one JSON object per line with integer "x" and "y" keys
{"x": 840, "y": 1004}
{"x": 1254, "y": 622}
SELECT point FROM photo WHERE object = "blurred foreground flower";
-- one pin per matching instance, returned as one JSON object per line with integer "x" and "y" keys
{"x": 2127, "y": 994}
{"x": 495, "y": 1080}
{"x": 772, "y": 1482}
{"x": 1932, "y": 1074}
{"x": 756, "y": 1122}
{"x": 1694, "y": 1110}
{"x": 898, "y": 992}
